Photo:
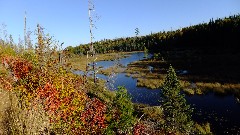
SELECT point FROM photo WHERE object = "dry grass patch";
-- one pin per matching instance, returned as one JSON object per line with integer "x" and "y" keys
{"x": 111, "y": 70}
{"x": 16, "y": 119}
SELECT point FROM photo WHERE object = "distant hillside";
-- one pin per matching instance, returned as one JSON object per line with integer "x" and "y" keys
{"x": 220, "y": 33}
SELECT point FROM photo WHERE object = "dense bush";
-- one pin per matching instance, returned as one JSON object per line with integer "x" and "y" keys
{"x": 121, "y": 118}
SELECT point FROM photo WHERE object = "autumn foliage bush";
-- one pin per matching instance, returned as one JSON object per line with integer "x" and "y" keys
{"x": 47, "y": 83}
{"x": 60, "y": 92}
{"x": 40, "y": 79}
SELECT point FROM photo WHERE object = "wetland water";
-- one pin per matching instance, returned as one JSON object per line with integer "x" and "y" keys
{"x": 221, "y": 111}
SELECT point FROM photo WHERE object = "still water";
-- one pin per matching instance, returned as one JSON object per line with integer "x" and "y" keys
{"x": 221, "y": 111}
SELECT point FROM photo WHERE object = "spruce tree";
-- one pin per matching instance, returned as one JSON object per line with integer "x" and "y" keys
{"x": 177, "y": 113}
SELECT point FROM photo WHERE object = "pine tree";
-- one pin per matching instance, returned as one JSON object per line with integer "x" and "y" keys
{"x": 177, "y": 113}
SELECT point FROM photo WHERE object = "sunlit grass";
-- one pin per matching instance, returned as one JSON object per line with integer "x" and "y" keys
{"x": 111, "y": 70}
{"x": 203, "y": 128}
{"x": 150, "y": 83}
{"x": 145, "y": 78}
{"x": 79, "y": 62}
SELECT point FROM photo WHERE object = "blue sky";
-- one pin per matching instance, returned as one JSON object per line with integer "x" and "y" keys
{"x": 67, "y": 20}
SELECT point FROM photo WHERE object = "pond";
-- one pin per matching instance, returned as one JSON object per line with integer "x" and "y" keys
{"x": 221, "y": 111}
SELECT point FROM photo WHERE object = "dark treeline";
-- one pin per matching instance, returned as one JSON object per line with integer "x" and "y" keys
{"x": 220, "y": 33}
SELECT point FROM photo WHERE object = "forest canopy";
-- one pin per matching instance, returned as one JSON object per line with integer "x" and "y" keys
{"x": 220, "y": 33}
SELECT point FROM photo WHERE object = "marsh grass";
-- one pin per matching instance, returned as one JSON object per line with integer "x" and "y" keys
{"x": 219, "y": 88}
{"x": 189, "y": 91}
{"x": 111, "y": 70}
{"x": 149, "y": 83}
{"x": 127, "y": 74}
{"x": 79, "y": 62}
{"x": 203, "y": 129}
{"x": 154, "y": 79}
{"x": 145, "y": 77}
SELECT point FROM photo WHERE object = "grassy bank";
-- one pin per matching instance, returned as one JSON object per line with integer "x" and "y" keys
{"x": 79, "y": 62}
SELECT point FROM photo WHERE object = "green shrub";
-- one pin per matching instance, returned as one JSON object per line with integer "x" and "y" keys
{"x": 121, "y": 113}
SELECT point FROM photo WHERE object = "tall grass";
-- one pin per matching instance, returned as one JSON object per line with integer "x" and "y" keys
{"x": 17, "y": 119}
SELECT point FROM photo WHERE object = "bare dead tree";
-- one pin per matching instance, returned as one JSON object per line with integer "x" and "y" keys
{"x": 90, "y": 9}
{"x": 25, "y": 30}
{"x": 91, "y": 51}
